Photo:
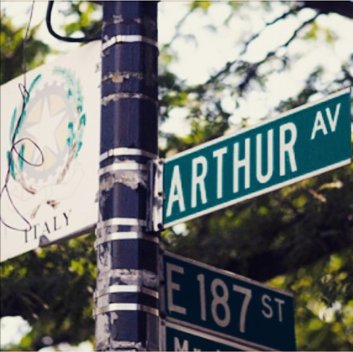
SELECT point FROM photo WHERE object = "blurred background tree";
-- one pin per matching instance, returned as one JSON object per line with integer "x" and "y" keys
{"x": 298, "y": 238}
{"x": 11, "y": 49}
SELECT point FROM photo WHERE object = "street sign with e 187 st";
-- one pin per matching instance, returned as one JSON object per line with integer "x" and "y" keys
{"x": 227, "y": 305}
{"x": 301, "y": 143}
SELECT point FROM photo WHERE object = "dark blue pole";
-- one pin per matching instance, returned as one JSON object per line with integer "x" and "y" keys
{"x": 127, "y": 301}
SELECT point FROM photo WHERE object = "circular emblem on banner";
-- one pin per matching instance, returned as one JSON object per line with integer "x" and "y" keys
{"x": 50, "y": 129}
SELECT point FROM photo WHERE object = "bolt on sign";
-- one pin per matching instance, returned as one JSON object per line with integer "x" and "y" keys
{"x": 49, "y": 152}
{"x": 299, "y": 144}
{"x": 225, "y": 305}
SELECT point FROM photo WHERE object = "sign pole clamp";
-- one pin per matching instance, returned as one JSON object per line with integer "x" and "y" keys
{"x": 156, "y": 196}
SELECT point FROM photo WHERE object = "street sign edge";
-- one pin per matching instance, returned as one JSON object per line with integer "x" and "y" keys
{"x": 78, "y": 233}
{"x": 259, "y": 193}
{"x": 253, "y": 345}
{"x": 344, "y": 91}
{"x": 203, "y": 334}
{"x": 81, "y": 232}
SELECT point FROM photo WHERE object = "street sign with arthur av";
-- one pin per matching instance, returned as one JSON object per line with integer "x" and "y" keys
{"x": 301, "y": 143}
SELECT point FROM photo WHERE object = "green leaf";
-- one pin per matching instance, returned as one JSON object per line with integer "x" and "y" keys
{"x": 202, "y": 5}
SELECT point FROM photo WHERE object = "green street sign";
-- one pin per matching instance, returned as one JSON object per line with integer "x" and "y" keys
{"x": 180, "y": 338}
{"x": 226, "y": 305}
{"x": 299, "y": 144}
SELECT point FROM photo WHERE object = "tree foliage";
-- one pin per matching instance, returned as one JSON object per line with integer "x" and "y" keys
{"x": 12, "y": 49}
{"x": 52, "y": 289}
{"x": 298, "y": 238}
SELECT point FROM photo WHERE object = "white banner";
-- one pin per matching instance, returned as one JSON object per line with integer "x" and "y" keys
{"x": 50, "y": 152}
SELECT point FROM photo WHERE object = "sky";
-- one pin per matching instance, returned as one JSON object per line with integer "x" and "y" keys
{"x": 196, "y": 61}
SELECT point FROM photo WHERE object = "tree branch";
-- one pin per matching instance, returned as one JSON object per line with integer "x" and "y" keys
{"x": 247, "y": 43}
{"x": 268, "y": 24}
{"x": 254, "y": 67}
{"x": 178, "y": 27}
{"x": 251, "y": 72}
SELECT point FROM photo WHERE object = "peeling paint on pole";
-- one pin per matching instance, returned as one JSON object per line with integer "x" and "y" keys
{"x": 127, "y": 293}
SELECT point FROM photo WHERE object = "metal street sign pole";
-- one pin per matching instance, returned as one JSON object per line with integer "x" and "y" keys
{"x": 126, "y": 298}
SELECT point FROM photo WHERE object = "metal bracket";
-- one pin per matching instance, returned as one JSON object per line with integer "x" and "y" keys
{"x": 113, "y": 307}
{"x": 126, "y": 235}
{"x": 155, "y": 199}
{"x": 116, "y": 152}
{"x": 127, "y": 38}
